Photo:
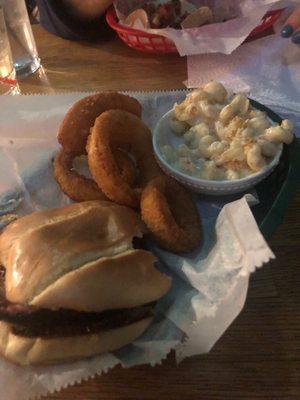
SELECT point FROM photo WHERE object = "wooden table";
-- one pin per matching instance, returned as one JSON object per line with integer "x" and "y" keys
{"x": 69, "y": 66}
{"x": 259, "y": 356}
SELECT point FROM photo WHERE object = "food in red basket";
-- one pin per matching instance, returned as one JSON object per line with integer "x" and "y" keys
{"x": 171, "y": 215}
{"x": 81, "y": 188}
{"x": 171, "y": 14}
{"x": 223, "y": 136}
{"x": 123, "y": 130}
{"x": 164, "y": 15}
{"x": 74, "y": 286}
{"x": 138, "y": 19}
{"x": 134, "y": 30}
{"x": 197, "y": 18}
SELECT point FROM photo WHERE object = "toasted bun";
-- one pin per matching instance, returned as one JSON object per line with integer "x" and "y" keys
{"x": 40, "y": 248}
{"x": 126, "y": 280}
{"x": 26, "y": 351}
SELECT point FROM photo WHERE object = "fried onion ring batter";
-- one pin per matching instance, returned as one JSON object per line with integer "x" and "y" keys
{"x": 171, "y": 215}
{"x": 120, "y": 129}
{"x": 76, "y": 125}
{"x": 80, "y": 188}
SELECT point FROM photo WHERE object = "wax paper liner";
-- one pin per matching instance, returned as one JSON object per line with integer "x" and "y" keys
{"x": 242, "y": 16}
{"x": 209, "y": 286}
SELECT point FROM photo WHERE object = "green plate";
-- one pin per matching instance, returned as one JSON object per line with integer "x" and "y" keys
{"x": 277, "y": 190}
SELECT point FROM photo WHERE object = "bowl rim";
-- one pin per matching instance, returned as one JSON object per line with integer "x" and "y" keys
{"x": 205, "y": 182}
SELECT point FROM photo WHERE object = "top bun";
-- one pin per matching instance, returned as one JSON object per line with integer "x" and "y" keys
{"x": 79, "y": 257}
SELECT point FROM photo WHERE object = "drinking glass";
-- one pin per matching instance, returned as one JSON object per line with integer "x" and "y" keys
{"x": 8, "y": 83}
{"x": 24, "y": 52}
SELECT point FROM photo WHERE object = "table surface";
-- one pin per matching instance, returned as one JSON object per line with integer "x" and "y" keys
{"x": 259, "y": 355}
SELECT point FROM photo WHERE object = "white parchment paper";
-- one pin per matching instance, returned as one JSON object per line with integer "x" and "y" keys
{"x": 242, "y": 16}
{"x": 209, "y": 285}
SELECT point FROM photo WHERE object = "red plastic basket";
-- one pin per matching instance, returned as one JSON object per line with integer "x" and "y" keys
{"x": 8, "y": 81}
{"x": 157, "y": 44}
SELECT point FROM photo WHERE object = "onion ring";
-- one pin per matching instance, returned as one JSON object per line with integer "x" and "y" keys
{"x": 120, "y": 129}
{"x": 78, "y": 187}
{"x": 171, "y": 215}
{"x": 76, "y": 125}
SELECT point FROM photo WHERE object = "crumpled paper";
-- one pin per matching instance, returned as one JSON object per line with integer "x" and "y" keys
{"x": 209, "y": 285}
{"x": 222, "y": 37}
{"x": 268, "y": 69}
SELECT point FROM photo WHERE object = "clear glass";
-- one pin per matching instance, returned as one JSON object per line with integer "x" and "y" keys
{"x": 8, "y": 82}
{"x": 24, "y": 52}
{"x": 6, "y": 64}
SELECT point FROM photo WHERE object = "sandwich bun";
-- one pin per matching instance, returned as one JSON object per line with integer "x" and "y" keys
{"x": 77, "y": 261}
{"x": 29, "y": 351}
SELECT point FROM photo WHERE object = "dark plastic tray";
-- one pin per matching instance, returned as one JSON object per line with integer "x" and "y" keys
{"x": 276, "y": 192}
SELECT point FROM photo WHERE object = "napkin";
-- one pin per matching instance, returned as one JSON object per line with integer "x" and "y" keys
{"x": 209, "y": 285}
{"x": 242, "y": 16}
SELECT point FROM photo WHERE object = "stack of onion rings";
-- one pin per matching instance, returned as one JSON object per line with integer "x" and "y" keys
{"x": 118, "y": 129}
{"x": 107, "y": 127}
{"x": 75, "y": 127}
{"x": 80, "y": 188}
{"x": 171, "y": 215}
{"x": 73, "y": 134}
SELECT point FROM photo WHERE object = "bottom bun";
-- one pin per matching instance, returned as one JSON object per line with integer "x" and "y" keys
{"x": 27, "y": 351}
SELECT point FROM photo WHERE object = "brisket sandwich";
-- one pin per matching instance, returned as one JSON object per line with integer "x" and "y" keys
{"x": 73, "y": 285}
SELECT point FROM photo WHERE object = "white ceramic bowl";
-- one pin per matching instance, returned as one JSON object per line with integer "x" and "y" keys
{"x": 163, "y": 135}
